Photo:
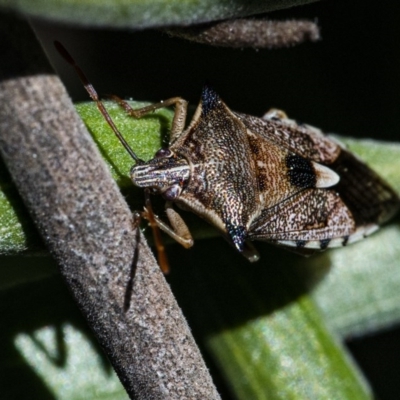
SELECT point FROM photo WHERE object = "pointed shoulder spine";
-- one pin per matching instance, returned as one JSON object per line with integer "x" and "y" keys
{"x": 209, "y": 99}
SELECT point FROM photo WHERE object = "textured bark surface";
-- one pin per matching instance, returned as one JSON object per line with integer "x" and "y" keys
{"x": 87, "y": 226}
{"x": 241, "y": 33}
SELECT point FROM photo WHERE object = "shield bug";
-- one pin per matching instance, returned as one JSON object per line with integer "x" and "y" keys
{"x": 268, "y": 178}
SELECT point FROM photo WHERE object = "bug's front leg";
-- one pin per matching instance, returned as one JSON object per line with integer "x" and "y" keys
{"x": 178, "y": 121}
{"x": 177, "y": 229}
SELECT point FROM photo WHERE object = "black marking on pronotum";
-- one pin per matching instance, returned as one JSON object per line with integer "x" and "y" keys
{"x": 256, "y": 178}
{"x": 300, "y": 171}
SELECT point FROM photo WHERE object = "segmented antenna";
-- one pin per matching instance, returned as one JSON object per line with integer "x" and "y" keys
{"x": 95, "y": 97}
{"x": 162, "y": 256}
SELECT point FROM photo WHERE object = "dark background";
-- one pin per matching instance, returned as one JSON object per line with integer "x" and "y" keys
{"x": 348, "y": 83}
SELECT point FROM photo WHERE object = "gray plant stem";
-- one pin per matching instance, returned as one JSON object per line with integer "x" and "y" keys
{"x": 87, "y": 226}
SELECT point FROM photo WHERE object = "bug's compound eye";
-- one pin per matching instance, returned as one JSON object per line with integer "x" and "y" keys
{"x": 163, "y": 153}
{"x": 172, "y": 193}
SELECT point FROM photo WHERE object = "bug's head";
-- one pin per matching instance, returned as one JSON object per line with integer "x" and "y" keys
{"x": 165, "y": 174}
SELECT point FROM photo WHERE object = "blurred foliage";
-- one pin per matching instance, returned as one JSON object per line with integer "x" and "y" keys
{"x": 144, "y": 13}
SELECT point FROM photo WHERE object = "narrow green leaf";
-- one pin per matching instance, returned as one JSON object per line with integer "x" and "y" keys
{"x": 383, "y": 157}
{"x": 287, "y": 355}
{"x": 12, "y": 235}
{"x": 17, "y": 232}
{"x": 83, "y": 366}
{"x": 361, "y": 292}
{"x": 144, "y": 13}
{"x": 48, "y": 351}
{"x": 260, "y": 325}
{"x": 145, "y": 135}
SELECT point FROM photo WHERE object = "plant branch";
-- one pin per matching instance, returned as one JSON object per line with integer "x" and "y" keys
{"x": 250, "y": 32}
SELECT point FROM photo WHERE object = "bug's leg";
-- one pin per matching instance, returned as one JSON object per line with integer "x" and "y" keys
{"x": 178, "y": 229}
{"x": 158, "y": 242}
{"x": 311, "y": 220}
{"x": 275, "y": 114}
{"x": 178, "y": 122}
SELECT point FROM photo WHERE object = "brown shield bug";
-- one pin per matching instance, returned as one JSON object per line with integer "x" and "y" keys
{"x": 267, "y": 178}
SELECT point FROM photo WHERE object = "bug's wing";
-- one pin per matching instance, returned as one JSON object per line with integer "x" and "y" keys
{"x": 370, "y": 200}
{"x": 320, "y": 218}
{"x": 302, "y": 139}
{"x": 311, "y": 219}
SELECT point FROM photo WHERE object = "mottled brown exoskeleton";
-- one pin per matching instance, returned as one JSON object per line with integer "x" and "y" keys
{"x": 267, "y": 178}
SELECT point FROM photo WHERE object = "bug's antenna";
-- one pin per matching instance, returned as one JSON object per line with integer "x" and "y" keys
{"x": 95, "y": 97}
{"x": 149, "y": 214}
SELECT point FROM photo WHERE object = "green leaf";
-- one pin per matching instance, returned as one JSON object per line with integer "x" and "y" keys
{"x": 144, "y": 13}
{"x": 383, "y": 157}
{"x": 287, "y": 355}
{"x": 17, "y": 232}
{"x": 12, "y": 235}
{"x": 260, "y": 324}
{"x": 361, "y": 292}
{"x": 83, "y": 366}
{"x": 48, "y": 351}
{"x": 145, "y": 135}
